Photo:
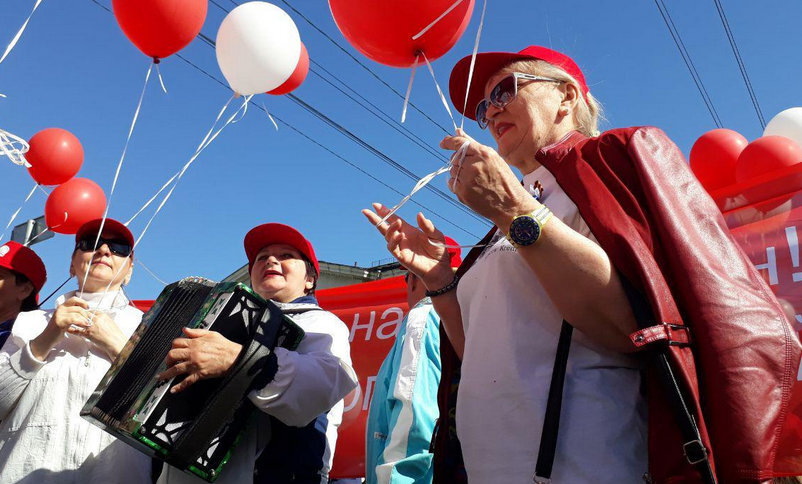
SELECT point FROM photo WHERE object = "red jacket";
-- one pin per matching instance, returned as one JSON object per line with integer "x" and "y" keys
{"x": 667, "y": 239}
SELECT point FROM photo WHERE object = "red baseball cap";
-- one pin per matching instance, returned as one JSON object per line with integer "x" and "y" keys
{"x": 273, "y": 233}
{"x": 18, "y": 258}
{"x": 488, "y": 63}
{"x": 110, "y": 226}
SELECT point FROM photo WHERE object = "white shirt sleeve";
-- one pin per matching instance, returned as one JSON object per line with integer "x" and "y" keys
{"x": 18, "y": 366}
{"x": 312, "y": 379}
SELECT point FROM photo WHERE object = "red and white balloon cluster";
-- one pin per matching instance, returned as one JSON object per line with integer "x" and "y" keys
{"x": 56, "y": 156}
{"x": 723, "y": 158}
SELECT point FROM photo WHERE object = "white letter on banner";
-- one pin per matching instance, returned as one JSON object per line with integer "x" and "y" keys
{"x": 368, "y": 392}
{"x": 357, "y": 392}
{"x": 793, "y": 246}
{"x": 770, "y": 265}
{"x": 356, "y": 326}
{"x": 399, "y": 316}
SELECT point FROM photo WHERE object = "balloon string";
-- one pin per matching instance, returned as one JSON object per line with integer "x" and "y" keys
{"x": 117, "y": 172}
{"x": 409, "y": 89}
{"x": 43, "y": 190}
{"x": 270, "y": 117}
{"x": 19, "y": 33}
{"x": 426, "y": 29}
{"x": 14, "y": 216}
{"x": 211, "y": 135}
{"x": 440, "y": 91}
{"x": 161, "y": 81}
{"x": 14, "y": 148}
{"x": 437, "y": 243}
{"x": 473, "y": 63}
{"x": 30, "y": 242}
{"x": 425, "y": 181}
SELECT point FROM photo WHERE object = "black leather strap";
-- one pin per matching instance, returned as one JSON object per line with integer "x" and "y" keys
{"x": 551, "y": 422}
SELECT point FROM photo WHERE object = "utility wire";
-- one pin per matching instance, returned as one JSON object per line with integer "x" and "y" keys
{"x": 362, "y": 64}
{"x": 345, "y": 132}
{"x": 740, "y": 61}
{"x": 672, "y": 29}
{"x": 300, "y": 132}
{"x": 381, "y": 155}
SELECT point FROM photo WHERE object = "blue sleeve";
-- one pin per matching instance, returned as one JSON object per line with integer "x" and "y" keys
{"x": 413, "y": 404}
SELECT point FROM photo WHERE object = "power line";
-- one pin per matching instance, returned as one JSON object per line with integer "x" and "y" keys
{"x": 381, "y": 155}
{"x": 672, "y": 29}
{"x": 435, "y": 214}
{"x": 362, "y": 64}
{"x": 348, "y": 134}
{"x": 740, "y": 62}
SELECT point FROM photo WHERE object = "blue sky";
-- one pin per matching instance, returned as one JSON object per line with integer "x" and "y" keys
{"x": 74, "y": 69}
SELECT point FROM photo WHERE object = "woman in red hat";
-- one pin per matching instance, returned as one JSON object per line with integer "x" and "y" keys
{"x": 54, "y": 359}
{"x": 603, "y": 228}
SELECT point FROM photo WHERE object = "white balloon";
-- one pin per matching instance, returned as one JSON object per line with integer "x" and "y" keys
{"x": 787, "y": 123}
{"x": 258, "y": 47}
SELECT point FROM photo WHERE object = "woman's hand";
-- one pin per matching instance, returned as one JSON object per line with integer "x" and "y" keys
{"x": 412, "y": 246}
{"x": 102, "y": 331}
{"x": 483, "y": 181}
{"x": 73, "y": 312}
{"x": 202, "y": 354}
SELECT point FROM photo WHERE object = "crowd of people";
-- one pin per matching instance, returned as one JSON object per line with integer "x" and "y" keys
{"x": 480, "y": 385}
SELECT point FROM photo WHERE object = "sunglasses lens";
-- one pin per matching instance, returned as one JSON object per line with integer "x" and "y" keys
{"x": 504, "y": 92}
{"x": 120, "y": 248}
{"x": 481, "y": 113}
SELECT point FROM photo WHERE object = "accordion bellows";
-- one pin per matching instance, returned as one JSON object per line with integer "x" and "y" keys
{"x": 194, "y": 430}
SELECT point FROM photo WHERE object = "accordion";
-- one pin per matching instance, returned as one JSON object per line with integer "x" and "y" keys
{"x": 194, "y": 430}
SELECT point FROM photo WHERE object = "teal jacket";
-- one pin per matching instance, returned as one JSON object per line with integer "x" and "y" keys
{"x": 403, "y": 410}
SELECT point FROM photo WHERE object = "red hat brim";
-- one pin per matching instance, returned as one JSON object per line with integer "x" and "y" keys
{"x": 109, "y": 226}
{"x": 488, "y": 63}
{"x": 274, "y": 233}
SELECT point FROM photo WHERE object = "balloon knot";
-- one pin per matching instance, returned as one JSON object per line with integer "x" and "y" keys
{"x": 156, "y": 60}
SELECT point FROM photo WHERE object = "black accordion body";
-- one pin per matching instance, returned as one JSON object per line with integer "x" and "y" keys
{"x": 194, "y": 430}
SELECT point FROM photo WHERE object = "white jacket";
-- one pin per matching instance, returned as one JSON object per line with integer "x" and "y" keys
{"x": 43, "y": 438}
{"x": 310, "y": 381}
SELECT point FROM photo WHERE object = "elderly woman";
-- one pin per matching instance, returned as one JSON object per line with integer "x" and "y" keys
{"x": 52, "y": 362}
{"x": 605, "y": 233}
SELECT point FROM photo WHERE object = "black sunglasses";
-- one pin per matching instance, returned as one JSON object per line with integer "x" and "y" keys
{"x": 503, "y": 93}
{"x": 117, "y": 247}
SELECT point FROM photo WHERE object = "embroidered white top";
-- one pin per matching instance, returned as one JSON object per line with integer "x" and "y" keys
{"x": 43, "y": 438}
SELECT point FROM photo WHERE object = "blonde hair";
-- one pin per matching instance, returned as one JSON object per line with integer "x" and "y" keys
{"x": 587, "y": 113}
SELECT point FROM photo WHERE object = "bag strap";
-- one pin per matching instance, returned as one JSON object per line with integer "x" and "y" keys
{"x": 693, "y": 449}
{"x": 551, "y": 422}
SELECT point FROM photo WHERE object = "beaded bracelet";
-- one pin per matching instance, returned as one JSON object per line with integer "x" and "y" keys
{"x": 448, "y": 287}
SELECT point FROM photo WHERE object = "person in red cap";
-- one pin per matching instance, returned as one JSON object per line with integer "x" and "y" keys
{"x": 54, "y": 359}
{"x": 22, "y": 275}
{"x": 299, "y": 393}
{"x": 604, "y": 226}
{"x": 403, "y": 406}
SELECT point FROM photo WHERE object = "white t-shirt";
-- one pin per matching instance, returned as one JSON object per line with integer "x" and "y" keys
{"x": 511, "y": 333}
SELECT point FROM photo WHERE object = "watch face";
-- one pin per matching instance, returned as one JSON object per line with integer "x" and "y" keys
{"x": 524, "y": 230}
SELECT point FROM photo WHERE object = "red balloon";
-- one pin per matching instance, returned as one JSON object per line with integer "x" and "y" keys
{"x": 383, "y": 31}
{"x": 714, "y": 155}
{"x": 297, "y": 77}
{"x": 73, "y": 204}
{"x": 765, "y": 155}
{"x": 55, "y": 156}
{"x": 160, "y": 28}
